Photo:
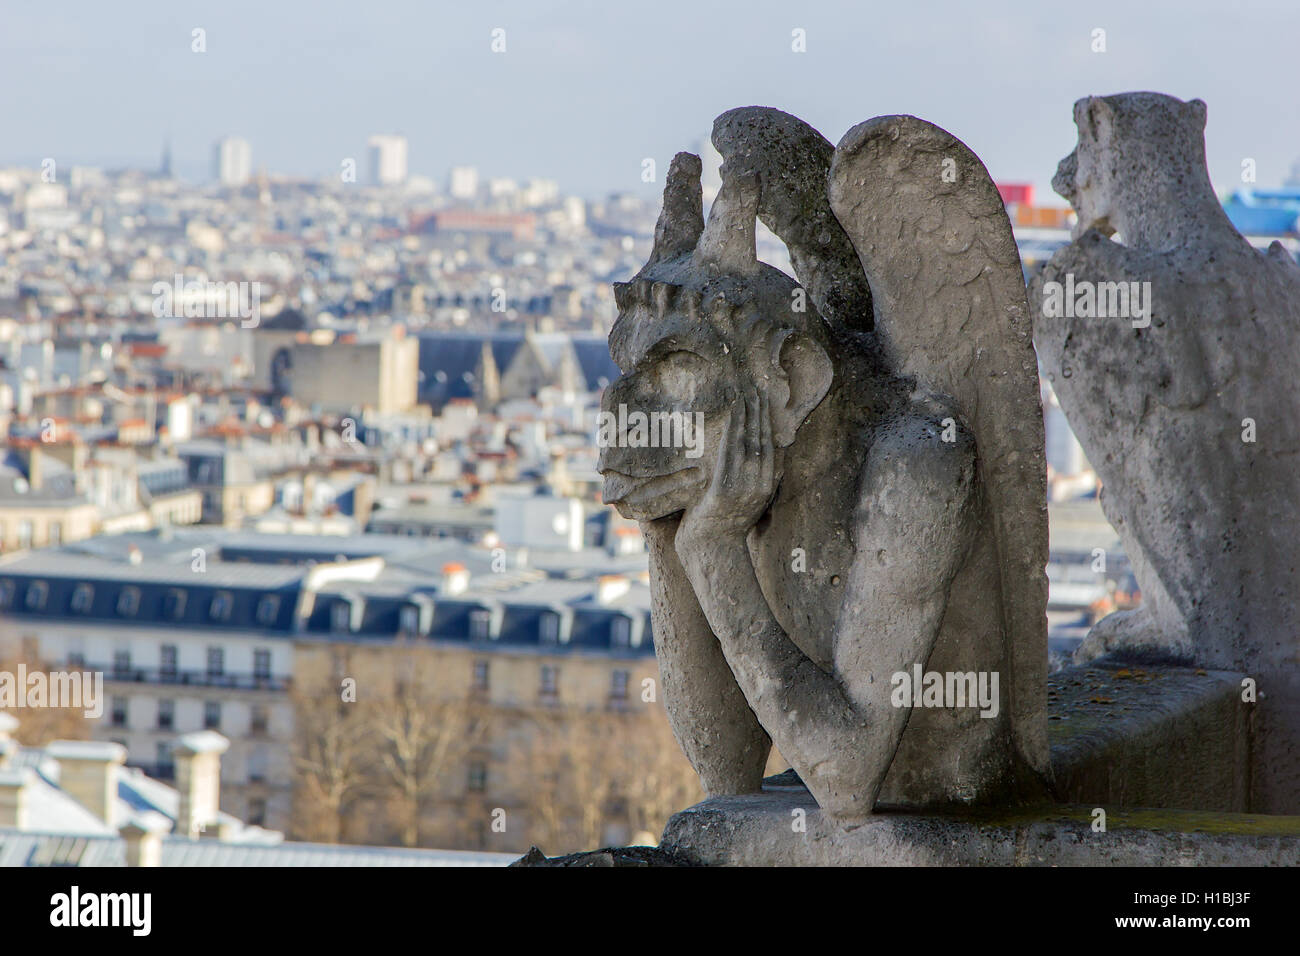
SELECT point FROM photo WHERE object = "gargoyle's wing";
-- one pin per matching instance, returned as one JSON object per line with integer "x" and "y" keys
{"x": 950, "y": 310}
{"x": 791, "y": 161}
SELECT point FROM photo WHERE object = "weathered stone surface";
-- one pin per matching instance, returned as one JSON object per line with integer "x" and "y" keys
{"x": 610, "y": 856}
{"x": 765, "y": 830}
{"x": 1209, "y": 519}
{"x": 1126, "y": 734}
{"x": 867, "y": 494}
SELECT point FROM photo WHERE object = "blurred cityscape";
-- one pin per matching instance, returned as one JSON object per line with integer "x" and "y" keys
{"x": 307, "y": 470}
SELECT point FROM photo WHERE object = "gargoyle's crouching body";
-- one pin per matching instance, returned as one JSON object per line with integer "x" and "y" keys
{"x": 860, "y": 510}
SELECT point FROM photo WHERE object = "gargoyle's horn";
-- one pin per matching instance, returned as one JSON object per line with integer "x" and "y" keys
{"x": 727, "y": 244}
{"x": 682, "y": 218}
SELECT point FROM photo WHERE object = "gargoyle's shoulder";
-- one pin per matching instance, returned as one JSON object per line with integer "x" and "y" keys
{"x": 924, "y": 446}
{"x": 1092, "y": 254}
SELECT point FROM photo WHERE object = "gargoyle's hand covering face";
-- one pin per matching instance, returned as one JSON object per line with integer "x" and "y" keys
{"x": 703, "y": 324}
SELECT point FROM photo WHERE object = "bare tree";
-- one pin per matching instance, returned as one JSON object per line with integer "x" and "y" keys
{"x": 656, "y": 779}
{"x": 332, "y": 750}
{"x": 420, "y": 734}
{"x": 37, "y": 726}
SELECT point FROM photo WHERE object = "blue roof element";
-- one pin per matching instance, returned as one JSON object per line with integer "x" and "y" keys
{"x": 1269, "y": 212}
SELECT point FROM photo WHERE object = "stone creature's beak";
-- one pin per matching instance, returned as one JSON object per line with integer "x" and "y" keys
{"x": 1063, "y": 181}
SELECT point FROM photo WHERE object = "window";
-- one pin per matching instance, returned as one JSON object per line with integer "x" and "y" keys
{"x": 257, "y": 765}
{"x": 410, "y": 620}
{"x": 6, "y": 593}
{"x": 259, "y": 720}
{"x": 37, "y": 592}
{"x": 550, "y": 680}
{"x": 267, "y": 609}
{"x": 341, "y": 617}
{"x": 221, "y": 606}
{"x": 167, "y": 661}
{"x": 262, "y": 664}
{"x": 166, "y": 715}
{"x": 174, "y": 604}
{"x": 83, "y": 595}
{"x": 56, "y": 532}
{"x": 212, "y": 715}
{"x": 128, "y": 602}
{"x": 620, "y": 632}
{"x": 24, "y": 534}
{"x": 166, "y": 769}
{"x": 477, "y": 776}
{"x": 480, "y": 623}
{"x": 548, "y": 626}
{"x": 122, "y": 665}
{"x": 256, "y": 813}
{"x": 618, "y": 685}
{"x": 76, "y": 660}
{"x": 216, "y": 661}
{"x": 119, "y": 712}
{"x": 481, "y": 676}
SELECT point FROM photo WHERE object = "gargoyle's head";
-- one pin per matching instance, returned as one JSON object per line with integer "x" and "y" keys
{"x": 702, "y": 323}
{"x": 1132, "y": 147}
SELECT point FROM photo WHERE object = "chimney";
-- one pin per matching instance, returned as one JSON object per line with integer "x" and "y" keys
{"x": 611, "y": 587}
{"x": 15, "y": 791}
{"x": 455, "y": 578}
{"x": 8, "y": 746}
{"x": 143, "y": 837}
{"x": 88, "y": 773}
{"x": 198, "y": 778}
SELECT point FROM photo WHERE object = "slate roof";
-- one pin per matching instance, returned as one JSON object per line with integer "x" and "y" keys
{"x": 252, "y": 582}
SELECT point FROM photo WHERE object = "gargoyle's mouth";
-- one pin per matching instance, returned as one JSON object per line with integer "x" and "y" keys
{"x": 633, "y": 491}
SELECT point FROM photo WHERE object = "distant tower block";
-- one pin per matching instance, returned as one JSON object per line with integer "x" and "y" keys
{"x": 232, "y": 161}
{"x": 462, "y": 182}
{"x": 387, "y": 160}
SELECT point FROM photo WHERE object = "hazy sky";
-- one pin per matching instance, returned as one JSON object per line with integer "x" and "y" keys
{"x": 586, "y": 90}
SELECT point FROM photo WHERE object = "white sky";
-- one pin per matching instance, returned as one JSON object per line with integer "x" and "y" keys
{"x": 586, "y": 90}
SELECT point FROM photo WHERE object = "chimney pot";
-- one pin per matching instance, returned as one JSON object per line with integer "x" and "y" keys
{"x": 88, "y": 771}
{"x": 14, "y": 792}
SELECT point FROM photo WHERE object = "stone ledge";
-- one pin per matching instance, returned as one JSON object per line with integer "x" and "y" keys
{"x": 1126, "y": 734}
{"x": 757, "y": 830}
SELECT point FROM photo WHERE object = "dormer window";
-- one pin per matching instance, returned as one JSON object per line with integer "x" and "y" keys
{"x": 267, "y": 609}
{"x": 128, "y": 602}
{"x": 480, "y": 624}
{"x": 83, "y": 595}
{"x": 222, "y": 604}
{"x": 409, "y": 620}
{"x": 620, "y": 632}
{"x": 341, "y": 617}
{"x": 174, "y": 604}
{"x": 548, "y": 627}
{"x": 6, "y": 593}
{"x": 37, "y": 592}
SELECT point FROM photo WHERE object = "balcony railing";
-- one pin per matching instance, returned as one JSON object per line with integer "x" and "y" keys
{"x": 195, "y": 678}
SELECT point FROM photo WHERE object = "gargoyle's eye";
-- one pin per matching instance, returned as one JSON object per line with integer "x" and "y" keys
{"x": 678, "y": 373}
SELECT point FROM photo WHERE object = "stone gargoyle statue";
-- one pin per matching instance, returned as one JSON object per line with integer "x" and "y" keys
{"x": 1175, "y": 361}
{"x": 863, "y": 507}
